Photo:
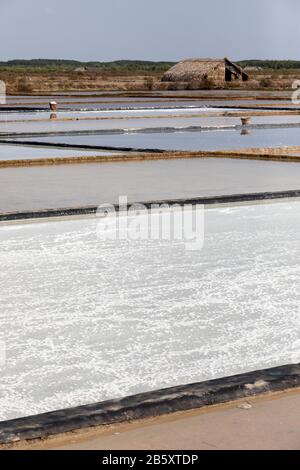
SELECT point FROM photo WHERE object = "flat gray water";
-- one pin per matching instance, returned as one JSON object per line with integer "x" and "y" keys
{"x": 85, "y": 320}
{"x": 200, "y": 140}
{"x": 96, "y": 183}
{"x": 20, "y": 116}
{"x": 18, "y": 152}
{"x": 108, "y": 104}
{"x": 52, "y": 126}
{"x": 138, "y": 121}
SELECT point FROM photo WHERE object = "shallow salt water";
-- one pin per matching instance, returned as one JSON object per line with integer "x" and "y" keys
{"x": 130, "y": 120}
{"x": 23, "y": 116}
{"x": 135, "y": 121}
{"x": 98, "y": 104}
{"x": 18, "y": 152}
{"x": 54, "y": 186}
{"x": 200, "y": 140}
{"x": 85, "y": 320}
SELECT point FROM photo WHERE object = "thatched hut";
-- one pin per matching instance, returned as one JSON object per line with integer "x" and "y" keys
{"x": 218, "y": 71}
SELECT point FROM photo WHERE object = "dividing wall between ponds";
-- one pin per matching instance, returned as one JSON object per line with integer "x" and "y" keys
{"x": 291, "y": 154}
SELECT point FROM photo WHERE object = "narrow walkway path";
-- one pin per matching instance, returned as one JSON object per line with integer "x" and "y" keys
{"x": 267, "y": 422}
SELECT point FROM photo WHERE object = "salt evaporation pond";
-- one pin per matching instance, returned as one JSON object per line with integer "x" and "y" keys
{"x": 198, "y": 140}
{"x": 103, "y": 104}
{"x": 85, "y": 320}
{"x": 109, "y": 125}
{"x": 54, "y": 186}
{"x": 270, "y": 118}
{"x": 94, "y": 100}
{"x": 130, "y": 122}
{"x": 25, "y": 116}
{"x": 18, "y": 152}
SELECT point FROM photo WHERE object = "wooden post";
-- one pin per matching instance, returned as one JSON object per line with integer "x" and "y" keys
{"x": 246, "y": 121}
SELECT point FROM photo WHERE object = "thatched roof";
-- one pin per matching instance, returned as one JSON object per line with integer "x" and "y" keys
{"x": 193, "y": 69}
{"x": 196, "y": 69}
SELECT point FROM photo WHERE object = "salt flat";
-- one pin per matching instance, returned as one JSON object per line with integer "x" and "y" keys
{"x": 85, "y": 320}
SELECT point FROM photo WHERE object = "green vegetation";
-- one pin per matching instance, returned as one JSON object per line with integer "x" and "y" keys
{"x": 271, "y": 64}
{"x": 125, "y": 66}
{"x": 69, "y": 65}
{"x": 128, "y": 65}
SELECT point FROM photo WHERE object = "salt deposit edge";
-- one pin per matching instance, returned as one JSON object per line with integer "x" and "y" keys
{"x": 151, "y": 404}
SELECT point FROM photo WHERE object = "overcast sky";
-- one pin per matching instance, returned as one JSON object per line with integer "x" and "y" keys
{"x": 149, "y": 29}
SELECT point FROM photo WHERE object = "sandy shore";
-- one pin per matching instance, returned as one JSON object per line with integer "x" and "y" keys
{"x": 267, "y": 422}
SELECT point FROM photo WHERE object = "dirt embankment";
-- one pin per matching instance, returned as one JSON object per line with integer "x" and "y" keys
{"x": 53, "y": 81}
{"x": 45, "y": 81}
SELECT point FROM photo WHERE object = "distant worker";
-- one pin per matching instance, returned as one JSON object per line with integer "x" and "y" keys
{"x": 53, "y": 109}
{"x": 53, "y": 106}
